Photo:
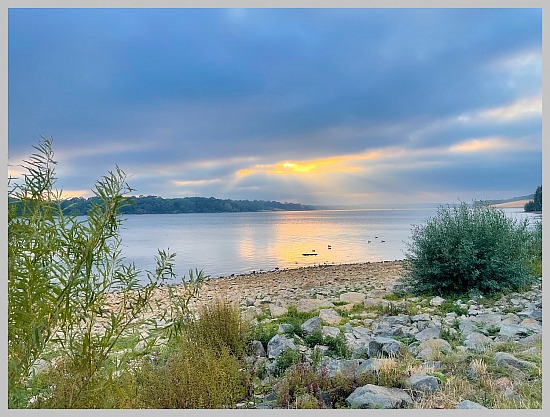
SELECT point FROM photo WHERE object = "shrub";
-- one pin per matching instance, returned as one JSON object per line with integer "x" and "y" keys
{"x": 60, "y": 271}
{"x": 467, "y": 249}
{"x": 219, "y": 325}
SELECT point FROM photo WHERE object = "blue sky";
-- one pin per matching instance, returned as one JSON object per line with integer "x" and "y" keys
{"x": 320, "y": 106}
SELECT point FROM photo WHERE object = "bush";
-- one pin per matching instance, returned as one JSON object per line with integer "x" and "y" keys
{"x": 60, "y": 272}
{"x": 466, "y": 250}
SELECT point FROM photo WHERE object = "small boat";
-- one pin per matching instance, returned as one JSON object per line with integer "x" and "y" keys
{"x": 309, "y": 254}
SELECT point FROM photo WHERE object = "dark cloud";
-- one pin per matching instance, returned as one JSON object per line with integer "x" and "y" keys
{"x": 154, "y": 88}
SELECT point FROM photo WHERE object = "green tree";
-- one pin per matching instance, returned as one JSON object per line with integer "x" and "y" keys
{"x": 536, "y": 203}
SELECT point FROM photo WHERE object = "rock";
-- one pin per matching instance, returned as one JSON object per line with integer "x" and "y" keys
{"x": 510, "y": 318}
{"x": 428, "y": 333}
{"x": 285, "y": 327}
{"x": 379, "y": 293}
{"x": 375, "y": 302}
{"x": 358, "y": 346}
{"x": 399, "y": 320}
{"x": 352, "y": 297}
{"x": 431, "y": 349}
{"x": 330, "y": 331}
{"x": 257, "y": 349}
{"x": 513, "y": 331}
{"x": 312, "y": 325}
{"x": 469, "y": 405}
{"x": 361, "y": 332}
{"x": 374, "y": 396}
{"x": 421, "y": 317}
{"x": 531, "y": 324}
{"x": 423, "y": 383}
{"x": 330, "y": 316}
{"x": 477, "y": 342}
{"x": 385, "y": 346}
{"x": 305, "y": 305}
{"x": 277, "y": 311}
{"x": 278, "y": 344}
{"x": 436, "y": 301}
{"x": 507, "y": 359}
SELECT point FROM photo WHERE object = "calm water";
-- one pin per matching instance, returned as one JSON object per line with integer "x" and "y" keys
{"x": 234, "y": 243}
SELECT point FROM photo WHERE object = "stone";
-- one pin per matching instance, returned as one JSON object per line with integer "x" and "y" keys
{"x": 431, "y": 349}
{"x": 312, "y": 325}
{"x": 352, "y": 297}
{"x": 399, "y": 320}
{"x": 469, "y": 405}
{"x": 330, "y": 316}
{"x": 385, "y": 346}
{"x": 306, "y": 305}
{"x": 285, "y": 327}
{"x": 477, "y": 342}
{"x": 507, "y": 359}
{"x": 428, "y": 333}
{"x": 277, "y": 311}
{"x": 513, "y": 331}
{"x": 436, "y": 301}
{"x": 375, "y": 302}
{"x": 374, "y": 396}
{"x": 423, "y": 383}
{"x": 330, "y": 331}
{"x": 421, "y": 317}
{"x": 257, "y": 349}
{"x": 277, "y": 345}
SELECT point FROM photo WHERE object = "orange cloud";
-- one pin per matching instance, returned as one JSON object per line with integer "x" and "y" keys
{"x": 475, "y": 145}
{"x": 343, "y": 163}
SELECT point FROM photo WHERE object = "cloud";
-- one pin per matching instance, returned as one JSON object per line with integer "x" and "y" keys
{"x": 219, "y": 100}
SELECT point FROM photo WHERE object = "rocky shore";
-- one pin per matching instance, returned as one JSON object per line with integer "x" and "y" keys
{"x": 420, "y": 338}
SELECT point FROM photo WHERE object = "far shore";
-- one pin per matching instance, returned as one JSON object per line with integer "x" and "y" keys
{"x": 511, "y": 204}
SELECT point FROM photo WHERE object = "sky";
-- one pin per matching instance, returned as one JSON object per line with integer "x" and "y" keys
{"x": 317, "y": 106}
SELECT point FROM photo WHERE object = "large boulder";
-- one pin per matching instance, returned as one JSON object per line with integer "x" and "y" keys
{"x": 278, "y": 344}
{"x": 428, "y": 333}
{"x": 477, "y": 342}
{"x": 431, "y": 349}
{"x": 423, "y": 383}
{"x": 312, "y": 325}
{"x": 374, "y": 396}
{"x": 507, "y": 359}
{"x": 385, "y": 346}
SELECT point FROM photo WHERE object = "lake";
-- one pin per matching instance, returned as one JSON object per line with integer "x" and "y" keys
{"x": 222, "y": 244}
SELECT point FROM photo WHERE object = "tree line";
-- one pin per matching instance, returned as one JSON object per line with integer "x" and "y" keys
{"x": 159, "y": 205}
{"x": 536, "y": 203}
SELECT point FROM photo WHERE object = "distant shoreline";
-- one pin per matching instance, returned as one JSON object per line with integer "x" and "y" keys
{"x": 511, "y": 204}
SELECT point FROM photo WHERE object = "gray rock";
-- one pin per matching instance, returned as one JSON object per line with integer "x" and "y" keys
{"x": 278, "y": 344}
{"x": 399, "y": 320}
{"x": 436, "y": 301}
{"x": 374, "y": 396}
{"x": 385, "y": 346}
{"x": 421, "y": 317}
{"x": 507, "y": 359}
{"x": 312, "y": 325}
{"x": 510, "y": 318}
{"x": 285, "y": 327}
{"x": 423, "y": 383}
{"x": 330, "y": 331}
{"x": 477, "y": 342}
{"x": 375, "y": 302}
{"x": 469, "y": 405}
{"x": 513, "y": 331}
{"x": 257, "y": 349}
{"x": 431, "y": 349}
{"x": 428, "y": 333}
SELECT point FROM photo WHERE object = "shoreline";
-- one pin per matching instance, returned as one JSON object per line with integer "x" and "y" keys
{"x": 285, "y": 287}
